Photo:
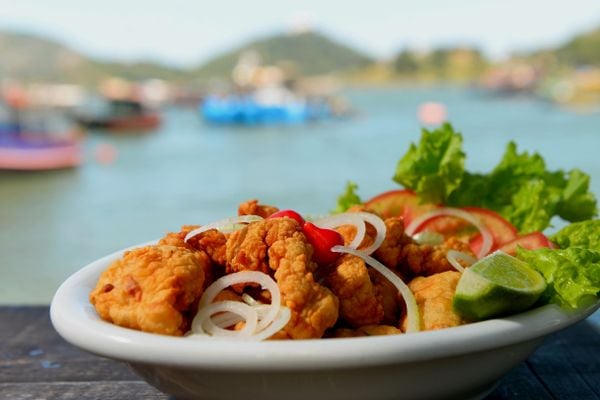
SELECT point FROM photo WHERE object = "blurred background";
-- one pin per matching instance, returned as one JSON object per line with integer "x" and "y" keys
{"x": 124, "y": 120}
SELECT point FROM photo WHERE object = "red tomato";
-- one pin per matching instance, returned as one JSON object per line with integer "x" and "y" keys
{"x": 502, "y": 231}
{"x": 399, "y": 203}
{"x": 531, "y": 241}
{"x": 322, "y": 241}
{"x": 290, "y": 214}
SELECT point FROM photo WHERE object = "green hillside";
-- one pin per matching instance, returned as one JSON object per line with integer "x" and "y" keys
{"x": 36, "y": 59}
{"x": 310, "y": 53}
{"x": 582, "y": 50}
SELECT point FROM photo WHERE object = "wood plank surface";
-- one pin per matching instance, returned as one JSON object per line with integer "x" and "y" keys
{"x": 37, "y": 364}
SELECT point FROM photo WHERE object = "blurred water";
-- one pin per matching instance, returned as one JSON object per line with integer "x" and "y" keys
{"x": 53, "y": 223}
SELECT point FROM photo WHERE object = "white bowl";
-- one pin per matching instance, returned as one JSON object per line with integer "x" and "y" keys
{"x": 463, "y": 362}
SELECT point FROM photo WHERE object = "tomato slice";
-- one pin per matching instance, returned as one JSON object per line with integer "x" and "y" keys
{"x": 502, "y": 231}
{"x": 531, "y": 241}
{"x": 399, "y": 203}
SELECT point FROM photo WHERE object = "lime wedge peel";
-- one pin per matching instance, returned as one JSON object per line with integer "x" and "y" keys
{"x": 498, "y": 284}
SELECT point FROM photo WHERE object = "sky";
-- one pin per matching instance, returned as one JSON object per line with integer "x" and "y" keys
{"x": 186, "y": 33}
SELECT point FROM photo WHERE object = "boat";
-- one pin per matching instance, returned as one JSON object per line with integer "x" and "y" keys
{"x": 270, "y": 95}
{"x": 24, "y": 153}
{"x": 32, "y": 141}
{"x": 121, "y": 116}
{"x": 252, "y": 110}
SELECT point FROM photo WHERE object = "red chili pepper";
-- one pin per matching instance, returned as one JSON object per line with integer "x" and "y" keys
{"x": 290, "y": 214}
{"x": 322, "y": 241}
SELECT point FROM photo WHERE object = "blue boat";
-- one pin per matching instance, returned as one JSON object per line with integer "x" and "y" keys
{"x": 247, "y": 110}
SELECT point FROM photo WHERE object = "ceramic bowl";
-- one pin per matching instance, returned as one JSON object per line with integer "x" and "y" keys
{"x": 463, "y": 362}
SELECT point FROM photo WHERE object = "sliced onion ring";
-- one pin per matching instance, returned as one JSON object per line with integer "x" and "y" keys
{"x": 261, "y": 320}
{"x": 224, "y": 225}
{"x": 487, "y": 242}
{"x": 357, "y": 219}
{"x": 349, "y": 218}
{"x": 412, "y": 311}
{"x": 454, "y": 256}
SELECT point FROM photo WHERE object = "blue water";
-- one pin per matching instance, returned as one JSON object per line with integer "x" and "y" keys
{"x": 53, "y": 223}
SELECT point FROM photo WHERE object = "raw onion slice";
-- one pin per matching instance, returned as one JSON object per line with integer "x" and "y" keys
{"x": 224, "y": 225}
{"x": 412, "y": 311}
{"x": 454, "y": 256}
{"x": 204, "y": 324}
{"x": 350, "y": 218}
{"x": 260, "y": 319}
{"x": 357, "y": 219}
{"x": 487, "y": 242}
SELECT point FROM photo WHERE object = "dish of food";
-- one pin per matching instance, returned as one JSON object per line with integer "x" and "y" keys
{"x": 395, "y": 282}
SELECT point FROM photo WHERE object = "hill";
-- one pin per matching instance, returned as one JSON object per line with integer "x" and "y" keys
{"x": 583, "y": 49}
{"x": 32, "y": 58}
{"x": 309, "y": 53}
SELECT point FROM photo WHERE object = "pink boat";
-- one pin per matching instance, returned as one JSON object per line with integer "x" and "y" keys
{"x": 28, "y": 152}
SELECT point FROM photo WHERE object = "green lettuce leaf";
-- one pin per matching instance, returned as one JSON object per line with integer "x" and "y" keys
{"x": 572, "y": 275}
{"x": 348, "y": 198}
{"x": 435, "y": 167}
{"x": 577, "y": 203}
{"x": 522, "y": 190}
{"x": 584, "y": 234}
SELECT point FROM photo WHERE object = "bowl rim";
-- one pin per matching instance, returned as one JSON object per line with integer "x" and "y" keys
{"x": 76, "y": 320}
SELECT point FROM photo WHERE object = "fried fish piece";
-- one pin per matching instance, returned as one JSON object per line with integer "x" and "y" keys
{"x": 152, "y": 289}
{"x": 425, "y": 260}
{"x": 434, "y": 300}
{"x": 210, "y": 244}
{"x": 391, "y": 251}
{"x": 279, "y": 248}
{"x": 314, "y": 307}
{"x": 252, "y": 207}
{"x": 350, "y": 281}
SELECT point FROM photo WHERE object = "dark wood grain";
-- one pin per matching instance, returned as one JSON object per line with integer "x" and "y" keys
{"x": 36, "y": 363}
{"x": 80, "y": 391}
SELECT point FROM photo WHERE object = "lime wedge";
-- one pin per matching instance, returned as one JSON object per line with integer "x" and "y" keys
{"x": 495, "y": 285}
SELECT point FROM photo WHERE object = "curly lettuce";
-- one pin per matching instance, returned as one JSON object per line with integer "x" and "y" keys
{"x": 585, "y": 234}
{"x": 572, "y": 274}
{"x": 435, "y": 167}
{"x": 348, "y": 198}
{"x": 520, "y": 187}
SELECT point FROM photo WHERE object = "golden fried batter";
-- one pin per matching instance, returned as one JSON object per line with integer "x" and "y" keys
{"x": 388, "y": 296}
{"x": 252, "y": 207}
{"x": 425, "y": 260}
{"x": 349, "y": 280}
{"x": 247, "y": 249}
{"x": 279, "y": 245}
{"x": 434, "y": 299}
{"x": 314, "y": 307}
{"x": 152, "y": 288}
{"x": 390, "y": 252}
{"x": 211, "y": 244}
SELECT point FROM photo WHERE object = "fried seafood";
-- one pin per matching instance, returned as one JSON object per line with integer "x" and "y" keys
{"x": 434, "y": 299}
{"x": 349, "y": 280}
{"x": 247, "y": 249}
{"x": 153, "y": 289}
{"x": 425, "y": 260}
{"x": 158, "y": 288}
{"x": 252, "y": 207}
{"x": 210, "y": 243}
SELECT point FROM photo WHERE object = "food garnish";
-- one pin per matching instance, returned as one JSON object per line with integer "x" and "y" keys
{"x": 498, "y": 284}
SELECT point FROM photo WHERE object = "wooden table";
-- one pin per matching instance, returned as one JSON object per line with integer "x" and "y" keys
{"x": 35, "y": 363}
